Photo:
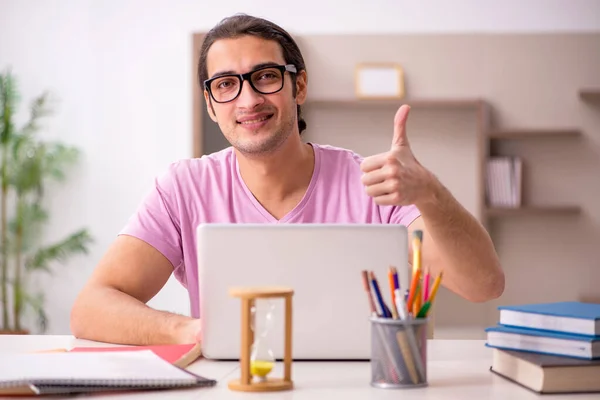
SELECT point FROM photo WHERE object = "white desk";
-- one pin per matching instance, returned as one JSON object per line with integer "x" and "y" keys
{"x": 457, "y": 369}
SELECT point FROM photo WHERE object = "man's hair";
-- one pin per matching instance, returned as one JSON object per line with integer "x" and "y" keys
{"x": 241, "y": 25}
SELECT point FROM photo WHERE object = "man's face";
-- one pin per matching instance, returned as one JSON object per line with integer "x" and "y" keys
{"x": 253, "y": 123}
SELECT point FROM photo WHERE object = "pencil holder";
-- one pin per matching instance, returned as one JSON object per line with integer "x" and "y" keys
{"x": 398, "y": 353}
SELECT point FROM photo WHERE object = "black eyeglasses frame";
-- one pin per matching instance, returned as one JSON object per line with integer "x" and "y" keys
{"x": 247, "y": 77}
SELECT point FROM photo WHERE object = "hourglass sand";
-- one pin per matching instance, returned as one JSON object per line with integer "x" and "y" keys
{"x": 262, "y": 359}
{"x": 256, "y": 356}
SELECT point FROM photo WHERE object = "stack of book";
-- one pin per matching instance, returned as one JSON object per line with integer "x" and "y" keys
{"x": 503, "y": 186}
{"x": 548, "y": 347}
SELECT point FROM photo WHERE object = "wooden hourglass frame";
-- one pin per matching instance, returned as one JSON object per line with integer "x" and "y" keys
{"x": 248, "y": 296}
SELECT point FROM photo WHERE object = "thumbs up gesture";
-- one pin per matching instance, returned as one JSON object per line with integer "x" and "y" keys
{"x": 396, "y": 177}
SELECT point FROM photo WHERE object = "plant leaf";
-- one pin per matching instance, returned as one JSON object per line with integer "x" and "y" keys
{"x": 74, "y": 244}
{"x": 37, "y": 304}
{"x": 39, "y": 108}
{"x": 29, "y": 217}
{"x": 8, "y": 104}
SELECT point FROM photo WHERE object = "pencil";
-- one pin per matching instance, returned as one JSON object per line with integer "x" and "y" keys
{"x": 417, "y": 299}
{"x": 427, "y": 306}
{"x": 407, "y": 355}
{"x": 436, "y": 286}
{"x": 367, "y": 287}
{"x": 426, "y": 285}
{"x": 416, "y": 244}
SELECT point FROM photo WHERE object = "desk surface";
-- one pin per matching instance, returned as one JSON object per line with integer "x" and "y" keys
{"x": 457, "y": 369}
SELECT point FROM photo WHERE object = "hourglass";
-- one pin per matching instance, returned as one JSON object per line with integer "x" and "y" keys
{"x": 257, "y": 359}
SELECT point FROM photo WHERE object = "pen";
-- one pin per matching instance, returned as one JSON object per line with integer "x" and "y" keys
{"x": 396, "y": 280}
{"x": 384, "y": 310}
{"x": 393, "y": 281}
{"x": 400, "y": 304}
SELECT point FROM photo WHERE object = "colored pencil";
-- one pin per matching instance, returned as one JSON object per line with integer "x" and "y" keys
{"x": 416, "y": 277}
{"x": 426, "y": 285}
{"x": 424, "y": 311}
{"x": 367, "y": 287}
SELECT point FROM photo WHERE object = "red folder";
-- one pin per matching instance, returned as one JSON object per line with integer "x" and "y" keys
{"x": 179, "y": 354}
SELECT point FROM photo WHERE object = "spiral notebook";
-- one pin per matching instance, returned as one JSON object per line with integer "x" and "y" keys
{"x": 71, "y": 373}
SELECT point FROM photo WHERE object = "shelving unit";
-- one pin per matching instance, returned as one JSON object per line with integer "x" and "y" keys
{"x": 414, "y": 103}
{"x": 533, "y": 133}
{"x": 493, "y": 136}
{"x": 535, "y": 210}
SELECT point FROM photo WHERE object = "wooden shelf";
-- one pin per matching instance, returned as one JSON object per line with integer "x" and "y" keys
{"x": 533, "y": 133}
{"x": 417, "y": 103}
{"x": 532, "y": 210}
{"x": 590, "y": 95}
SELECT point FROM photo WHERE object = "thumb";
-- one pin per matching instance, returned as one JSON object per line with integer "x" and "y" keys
{"x": 400, "y": 138}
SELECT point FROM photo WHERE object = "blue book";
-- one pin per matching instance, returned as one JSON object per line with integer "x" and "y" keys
{"x": 567, "y": 316}
{"x": 543, "y": 341}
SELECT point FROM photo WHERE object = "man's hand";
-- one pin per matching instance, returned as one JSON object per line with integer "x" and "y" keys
{"x": 453, "y": 240}
{"x": 189, "y": 332}
{"x": 396, "y": 177}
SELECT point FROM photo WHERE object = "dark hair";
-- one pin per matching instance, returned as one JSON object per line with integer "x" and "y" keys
{"x": 242, "y": 24}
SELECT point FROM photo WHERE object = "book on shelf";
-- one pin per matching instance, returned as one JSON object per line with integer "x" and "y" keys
{"x": 85, "y": 372}
{"x": 504, "y": 176}
{"x": 545, "y": 374}
{"x": 567, "y": 316}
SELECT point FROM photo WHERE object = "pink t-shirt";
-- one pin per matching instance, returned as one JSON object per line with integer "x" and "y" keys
{"x": 210, "y": 190}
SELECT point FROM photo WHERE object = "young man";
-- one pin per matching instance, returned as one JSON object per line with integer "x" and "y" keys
{"x": 255, "y": 82}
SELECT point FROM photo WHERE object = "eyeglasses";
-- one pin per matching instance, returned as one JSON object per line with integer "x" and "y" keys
{"x": 265, "y": 80}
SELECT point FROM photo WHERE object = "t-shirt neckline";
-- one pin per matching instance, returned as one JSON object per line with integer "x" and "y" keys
{"x": 300, "y": 206}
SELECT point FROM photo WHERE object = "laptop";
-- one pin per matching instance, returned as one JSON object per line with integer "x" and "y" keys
{"x": 322, "y": 263}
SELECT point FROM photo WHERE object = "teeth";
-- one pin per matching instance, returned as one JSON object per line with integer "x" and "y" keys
{"x": 253, "y": 121}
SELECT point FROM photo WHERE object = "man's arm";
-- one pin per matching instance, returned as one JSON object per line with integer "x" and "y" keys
{"x": 455, "y": 242}
{"x": 112, "y": 305}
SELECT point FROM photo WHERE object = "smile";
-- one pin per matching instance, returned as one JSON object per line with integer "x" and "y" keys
{"x": 255, "y": 120}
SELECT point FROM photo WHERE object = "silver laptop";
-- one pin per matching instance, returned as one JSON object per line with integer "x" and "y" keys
{"x": 322, "y": 263}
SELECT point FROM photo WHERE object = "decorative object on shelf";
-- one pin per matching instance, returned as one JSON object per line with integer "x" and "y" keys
{"x": 27, "y": 165}
{"x": 379, "y": 81}
{"x": 257, "y": 359}
{"x": 591, "y": 95}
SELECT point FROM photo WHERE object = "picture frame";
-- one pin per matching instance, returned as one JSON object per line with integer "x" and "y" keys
{"x": 379, "y": 81}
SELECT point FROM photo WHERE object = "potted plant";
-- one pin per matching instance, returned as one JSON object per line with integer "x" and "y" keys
{"x": 27, "y": 165}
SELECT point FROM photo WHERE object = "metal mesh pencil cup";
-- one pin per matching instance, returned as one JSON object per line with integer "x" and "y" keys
{"x": 398, "y": 353}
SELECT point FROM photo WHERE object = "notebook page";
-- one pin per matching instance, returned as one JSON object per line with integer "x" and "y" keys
{"x": 140, "y": 366}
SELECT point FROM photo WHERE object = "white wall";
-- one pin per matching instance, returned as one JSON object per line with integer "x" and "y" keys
{"x": 122, "y": 72}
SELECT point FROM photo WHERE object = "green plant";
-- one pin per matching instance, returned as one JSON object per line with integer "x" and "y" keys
{"x": 27, "y": 164}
